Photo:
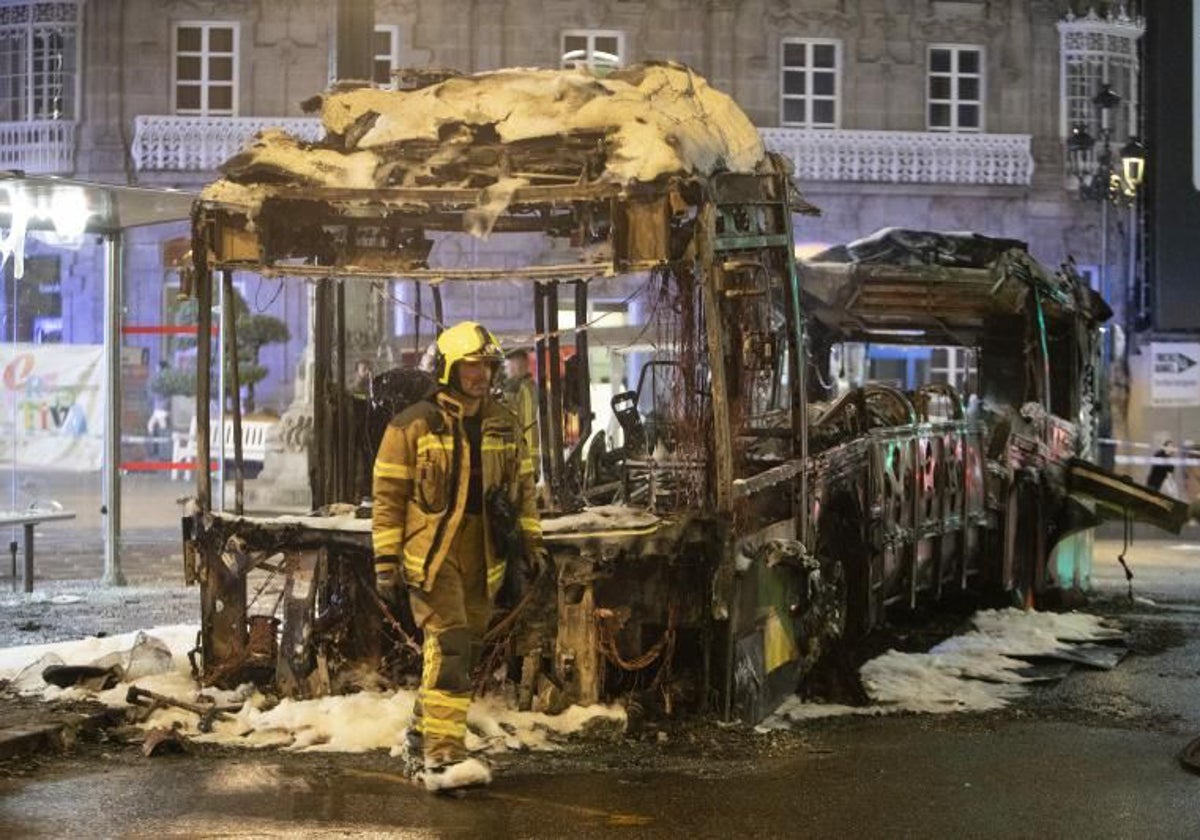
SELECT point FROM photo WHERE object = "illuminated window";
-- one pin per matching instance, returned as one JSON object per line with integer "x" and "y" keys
{"x": 955, "y": 92}
{"x": 206, "y": 68}
{"x": 600, "y": 49}
{"x": 39, "y": 61}
{"x": 810, "y": 84}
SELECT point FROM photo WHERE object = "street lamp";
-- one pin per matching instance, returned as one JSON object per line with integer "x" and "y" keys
{"x": 1110, "y": 178}
{"x": 1097, "y": 172}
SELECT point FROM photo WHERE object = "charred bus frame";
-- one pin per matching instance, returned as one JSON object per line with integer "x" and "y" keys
{"x": 747, "y": 554}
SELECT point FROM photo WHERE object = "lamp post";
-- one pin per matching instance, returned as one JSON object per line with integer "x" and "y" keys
{"x": 1111, "y": 178}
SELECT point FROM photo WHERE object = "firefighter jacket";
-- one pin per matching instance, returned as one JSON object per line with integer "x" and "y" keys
{"x": 421, "y": 481}
{"x": 522, "y": 397}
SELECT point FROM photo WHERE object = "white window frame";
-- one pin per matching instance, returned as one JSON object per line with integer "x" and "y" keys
{"x": 960, "y": 370}
{"x": 590, "y": 59}
{"x": 205, "y": 26}
{"x": 809, "y": 71}
{"x": 25, "y": 21}
{"x": 1094, "y": 50}
{"x": 392, "y": 56}
{"x": 955, "y": 77}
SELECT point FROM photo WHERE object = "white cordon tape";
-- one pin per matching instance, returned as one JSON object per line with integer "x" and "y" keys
{"x": 1182, "y": 458}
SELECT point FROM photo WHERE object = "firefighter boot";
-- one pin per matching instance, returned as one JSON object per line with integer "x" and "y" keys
{"x": 457, "y": 775}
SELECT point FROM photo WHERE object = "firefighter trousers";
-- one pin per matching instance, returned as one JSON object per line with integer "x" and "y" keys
{"x": 454, "y": 615}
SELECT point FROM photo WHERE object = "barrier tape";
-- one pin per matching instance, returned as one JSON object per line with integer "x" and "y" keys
{"x": 152, "y": 466}
{"x": 161, "y": 329}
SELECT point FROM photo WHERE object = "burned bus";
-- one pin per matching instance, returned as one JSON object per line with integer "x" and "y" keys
{"x": 718, "y": 519}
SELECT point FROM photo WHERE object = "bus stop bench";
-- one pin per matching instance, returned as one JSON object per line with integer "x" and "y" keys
{"x": 254, "y": 444}
{"x": 30, "y": 519}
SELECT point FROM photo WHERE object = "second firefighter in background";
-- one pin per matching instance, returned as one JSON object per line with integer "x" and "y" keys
{"x": 439, "y": 465}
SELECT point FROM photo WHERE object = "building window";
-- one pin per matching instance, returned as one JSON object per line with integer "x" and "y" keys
{"x": 601, "y": 50}
{"x": 39, "y": 61}
{"x": 32, "y": 310}
{"x": 206, "y": 68}
{"x": 1095, "y": 51}
{"x": 954, "y": 366}
{"x": 955, "y": 88}
{"x": 810, "y": 82}
{"x": 386, "y": 54}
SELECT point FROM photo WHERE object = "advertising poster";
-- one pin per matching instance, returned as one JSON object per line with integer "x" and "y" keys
{"x": 52, "y": 406}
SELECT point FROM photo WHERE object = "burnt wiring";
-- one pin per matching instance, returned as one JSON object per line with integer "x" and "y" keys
{"x": 664, "y": 648}
{"x": 656, "y": 278}
{"x": 263, "y": 307}
{"x": 1127, "y": 521}
{"x": 500, "y": 635}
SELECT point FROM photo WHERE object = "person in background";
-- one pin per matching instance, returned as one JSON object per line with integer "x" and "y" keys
{"x": 360, "y": 384}
{"x": 159, "y": 424}
{"x": 360, "y": 413}
{"x": 521, "y": 395}
{"x": 1161, "y": 470}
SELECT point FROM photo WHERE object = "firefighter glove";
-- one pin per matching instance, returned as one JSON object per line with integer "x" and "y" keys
{"x": 537, "y": 561}
{"x": 387, "y": 577}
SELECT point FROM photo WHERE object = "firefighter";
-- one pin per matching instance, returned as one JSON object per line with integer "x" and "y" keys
{"x": 520, "y": 392}
{"x": 442, "y": 465}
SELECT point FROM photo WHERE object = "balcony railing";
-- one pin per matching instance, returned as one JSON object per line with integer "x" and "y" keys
{"x": 904, "y": 157}
{"x": 38, "y": 147}
{"x": 200, "y": 144}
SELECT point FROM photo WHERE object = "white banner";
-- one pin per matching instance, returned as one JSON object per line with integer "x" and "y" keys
{"x": 1174, "y": 373}
{"x": 52, "y": 406}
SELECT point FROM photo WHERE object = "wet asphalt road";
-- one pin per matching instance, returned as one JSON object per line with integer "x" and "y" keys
{"x": 1091, "y": 757}
{"x": 908, "y": 777}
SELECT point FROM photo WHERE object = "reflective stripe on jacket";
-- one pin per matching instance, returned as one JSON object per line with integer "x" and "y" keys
{"x": 421, "y": 484}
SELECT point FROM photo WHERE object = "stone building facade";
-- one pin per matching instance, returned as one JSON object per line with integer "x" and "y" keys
{"x": 937, "y": 114}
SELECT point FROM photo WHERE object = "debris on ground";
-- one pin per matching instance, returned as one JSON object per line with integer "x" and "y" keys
{"x": 164, "y": 741}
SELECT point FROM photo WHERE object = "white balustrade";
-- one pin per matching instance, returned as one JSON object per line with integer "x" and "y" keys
{"x": 38, "y": 147}
{"x": 200, "y": 144}
{"x": 903, "y": 157}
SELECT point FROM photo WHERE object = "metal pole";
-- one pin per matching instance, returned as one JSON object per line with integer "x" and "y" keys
{"x": 1106, "y": 343}
{"x": 341, "y": 424}
{"x": 543, "y": 375}
{"x": 229, "y": 312}
{"x": 1104, "y": 291}
{"x": 581, "y": 352}
{"x": 1131, "y": 299}
{"x": 554, "y": 386}
{"x": 203, "y": 382}
{"x": 320, "y": 464}
{"x": 222, "y": 358}
{"x": 111, "y": 490}
{"x": 28, "y": 571}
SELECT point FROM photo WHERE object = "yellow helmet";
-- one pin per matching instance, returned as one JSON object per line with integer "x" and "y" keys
{"x": 465, "y": 342}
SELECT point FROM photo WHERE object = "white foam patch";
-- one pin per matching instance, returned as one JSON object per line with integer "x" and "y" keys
{"x": 344, "y": 723}
{"x": 972, "y": 672}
